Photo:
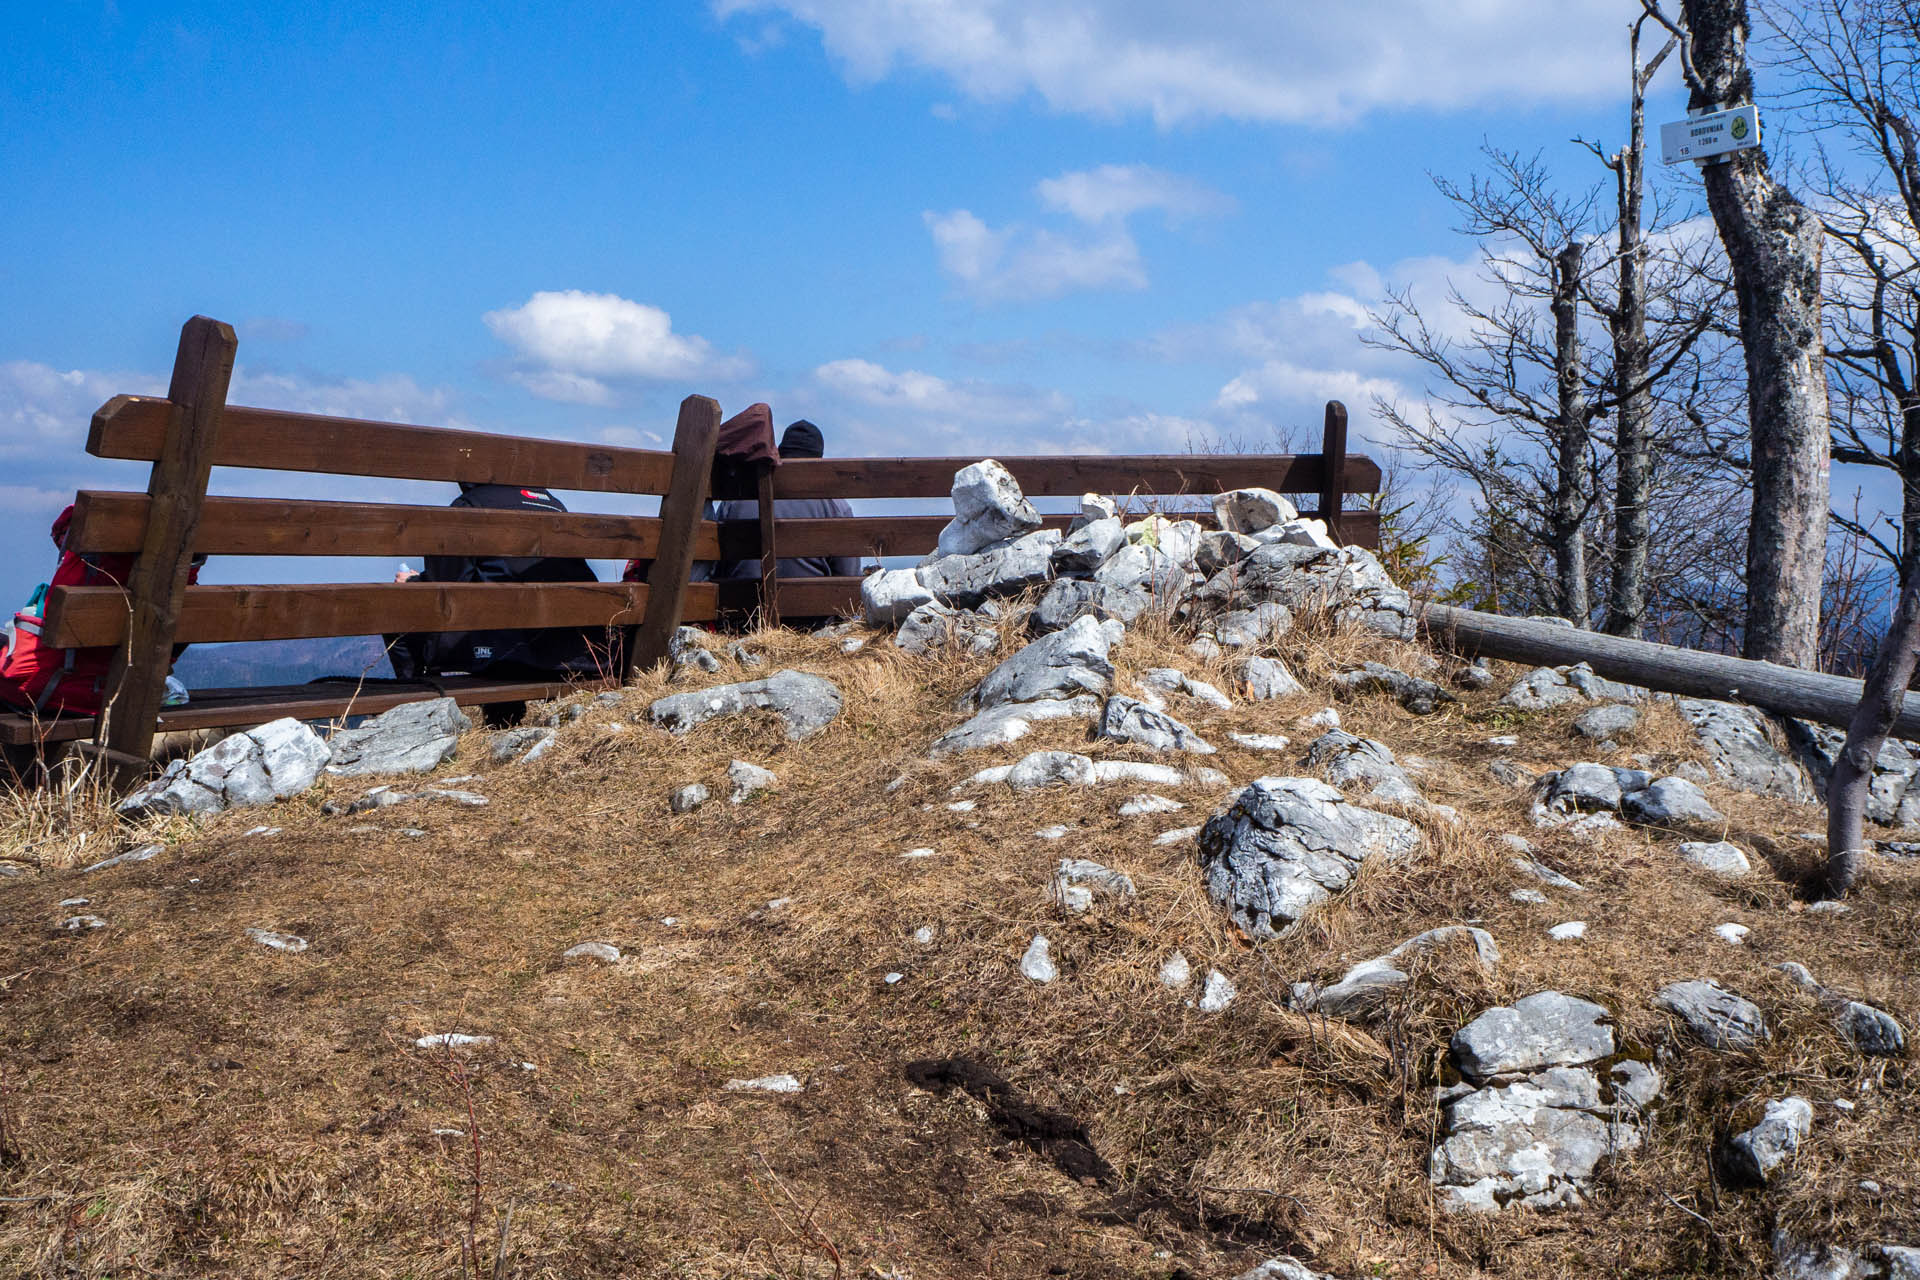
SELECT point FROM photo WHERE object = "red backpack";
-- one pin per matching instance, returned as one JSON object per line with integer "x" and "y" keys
{"x": 36, "y": 677}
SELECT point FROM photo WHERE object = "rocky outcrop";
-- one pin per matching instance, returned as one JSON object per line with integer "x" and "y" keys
{"x": 1740, "y": 752}
{"x": 1285, "y": 845}
{"x": 1719, "y": 1018}
{"x": 1422, "y": 697}
{"x": 256, "y": 767}
{"x": 988, "y": 507}
{"x": 1065, "y": 664}
{"x": 415, "y": 737}
{"x": 1530, "y": 1123}
{"x": 806, "y": 703}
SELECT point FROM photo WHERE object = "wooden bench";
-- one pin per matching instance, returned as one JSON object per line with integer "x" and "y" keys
{"x": 193, "y": 429}
{"x": 1170, "y": 482}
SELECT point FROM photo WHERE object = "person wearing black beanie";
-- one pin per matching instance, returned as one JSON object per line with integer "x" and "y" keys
{"x": 802, "y": 440}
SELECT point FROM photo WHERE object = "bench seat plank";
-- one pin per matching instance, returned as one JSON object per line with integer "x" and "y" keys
{"x": 227, "y": 708}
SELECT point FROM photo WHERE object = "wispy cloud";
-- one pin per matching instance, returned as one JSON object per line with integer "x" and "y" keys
{"x": 574, "y": 345}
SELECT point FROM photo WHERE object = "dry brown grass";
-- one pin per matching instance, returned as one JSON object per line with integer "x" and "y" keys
{"x": 181, "y": 1101}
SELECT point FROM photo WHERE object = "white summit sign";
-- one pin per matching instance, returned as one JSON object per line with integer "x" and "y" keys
{"x": 1711, "y": 135}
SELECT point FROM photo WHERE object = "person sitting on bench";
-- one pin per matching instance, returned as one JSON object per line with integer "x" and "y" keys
{"x": 537, "y": 653}
{"x": 800, "y": 440}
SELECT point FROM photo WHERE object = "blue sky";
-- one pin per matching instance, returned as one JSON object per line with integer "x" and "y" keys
{"x": 932, "y": 226}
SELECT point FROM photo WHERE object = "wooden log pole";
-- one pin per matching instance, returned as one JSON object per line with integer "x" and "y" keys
{"x": 1809, "y": 695}
{"x": 769, "y": 553}
{"x": 156, "y": 588}
{"x": 1333, "y": 454}
{"x": 695, "y": 438}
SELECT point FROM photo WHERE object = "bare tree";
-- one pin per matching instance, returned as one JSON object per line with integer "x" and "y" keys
{"x": 1626, "y": 317}
{"x": 1856, "y": 61}
{"x": 1522, "y": 371}
{"x": 1773, "y": 245}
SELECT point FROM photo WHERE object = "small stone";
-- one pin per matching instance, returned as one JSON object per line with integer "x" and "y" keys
{"x": 1720, "y": 857}
{"x": 1260, "y": 741}
{"x": 452, "y": 1040}
{"x": 1266, "y": 679}
{"x": 1218, "y": 992}
{"x": 918, "y": 853}
{"x": 1754, "y": 1155}
{"x": 262, "y": 831}
{"x": 1176, "y": 972}
{"x": 1545, "y": 874}
{"x": 1732, "y": 934}
{"x": 604, "y": 951}
{"x": 74, "y": 902}
{"x": 1037, "y": 964}
{"x": 1831, "y": 906}
{"x": 1054, "y": 832}
{"x": 1251, "y": 510}
{"x": 853, "y": 644}
{"x": 1671, "y": 802}
{"x": 1568, "y": 932}
{"x": 1503, "y": 740}
{"x": 1078, "y": 881}
{"x": 1322, "y": 720}
{"x": 688, "y": 798}
{"x": 746, "y": 779}
{"x": 1176, "y": 836}
{"x": 963, "y": 806}
{"x": 1607, "y": 721}
{"x": 893, "y": 978}
{"x": 278, "y": 941}
{"x": 526, "y": 744}
{"x": 923, "y": 935}
{"x": 1721, "y": 1019}
{"x": 141, "y": 854}
{"x": 81, "y": 924}
{"x": 1531, "y": 896}
{"x": 1149, "y": 804}
{"x": 782, "y": 1083}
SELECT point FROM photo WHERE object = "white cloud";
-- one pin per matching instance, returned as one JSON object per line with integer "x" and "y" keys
{"x": 43, "y": 409}
{"x": 1115, "y": 192}
{"x": 394, "y": 397}
{"x": 1239, "y": 59}
{"x": 924, "y": 394}
{"x": 1020, "y": 263}
{"x": 574, "y": 343}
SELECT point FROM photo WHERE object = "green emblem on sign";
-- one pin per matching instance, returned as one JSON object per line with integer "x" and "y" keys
{"x": 1738, "y": 128}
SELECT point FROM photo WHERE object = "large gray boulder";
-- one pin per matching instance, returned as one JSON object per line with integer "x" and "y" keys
{"x": 1892, "y": 798}
{"x": 1003, "y": 569}
{"x": 1351, "y": 762}
{"x": 805, "y": 702}
{"x": 1065, "y": 664}
{"x": 1529, "y": 1126}
{"x": 1251, "y": 628}
{"x": 1547, "y": 687}
{"x": 256, "y": 767}
{"x": 1251, "y": 510}
{"x": 1346, "y": 580}
{"x": 1286, "y": 845}
{"x": 1721, "y": 1019}
{"x": 1068, "y": 600}
{"x": 415, "y": 737}
{"x": 1140, "y": 578}
{"x": 1089, "y": 546}
{"x": 1265, "y": 679}
{"x": 1583, "y": 788}
{"x": 1535, "y": 1142}
{"x": 891, "y": 595}
{"x": 1422, "y": 697}
{"x": 988, "y": 507}
{"x": 934, "y": 628}
{"x": 1008, "y": 722}
{"x": 1547, "y": 1029}
{"x": 1130, "y": 720}
{"x": 1670, "y": 802}
{"x": 1740, "y": 752}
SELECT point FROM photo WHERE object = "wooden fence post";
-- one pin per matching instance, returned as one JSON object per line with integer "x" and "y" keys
{"x": 157, "y": 585}
{"x": 769, "y": 555}
{"x": 1333, "y": 456}
{"x": 694, "y": 440}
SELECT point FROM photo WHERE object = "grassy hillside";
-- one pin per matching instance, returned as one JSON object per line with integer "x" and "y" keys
{"x": 180, "y": 1100}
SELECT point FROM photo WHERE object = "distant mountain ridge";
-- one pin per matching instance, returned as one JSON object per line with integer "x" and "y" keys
{"x": 275, "y": 662}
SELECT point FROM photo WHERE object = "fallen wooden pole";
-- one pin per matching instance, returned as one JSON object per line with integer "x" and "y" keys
{"x": 1809, "y": 695}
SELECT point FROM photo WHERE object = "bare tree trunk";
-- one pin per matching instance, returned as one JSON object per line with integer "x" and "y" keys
{"x": 1567, "y": 517}
{"x": 1881, "y": 697}
{"x": 1773, "y": 243}
{"x": 1633, "y": 444}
